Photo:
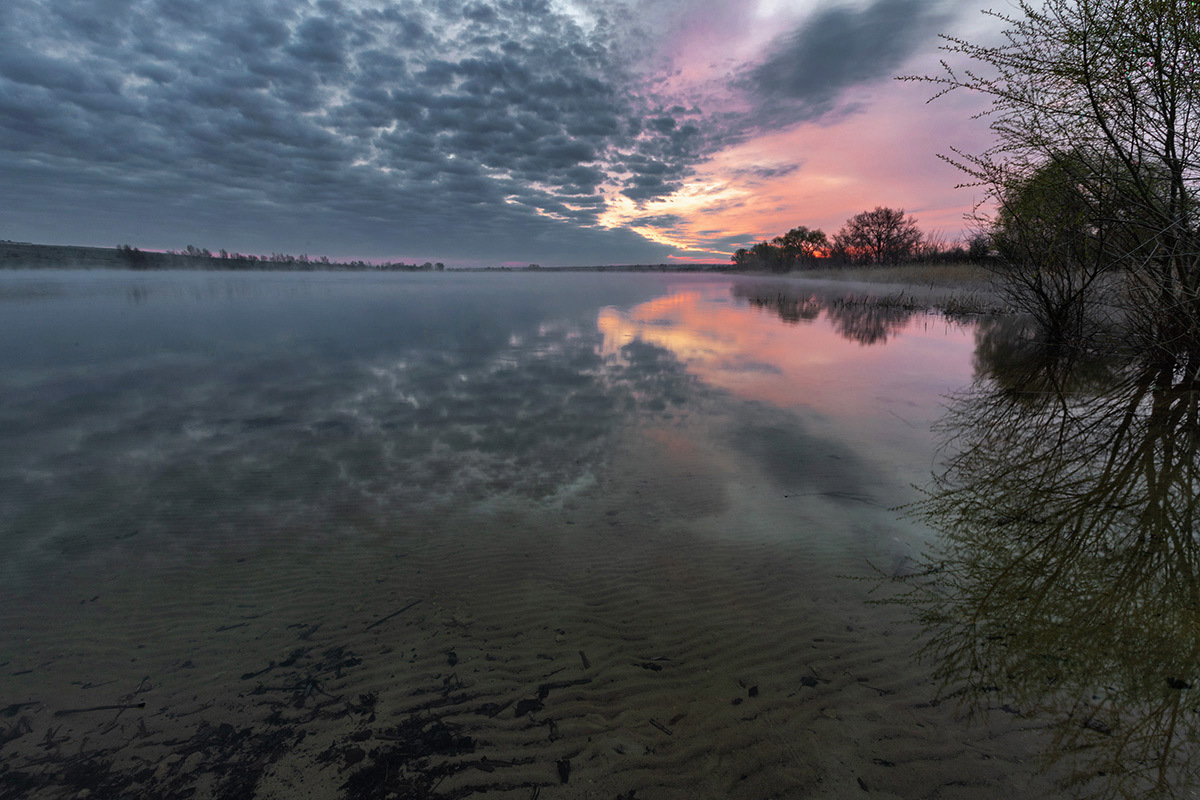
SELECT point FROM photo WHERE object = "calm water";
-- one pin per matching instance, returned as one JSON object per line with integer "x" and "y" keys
{"x": 565, "y": 535}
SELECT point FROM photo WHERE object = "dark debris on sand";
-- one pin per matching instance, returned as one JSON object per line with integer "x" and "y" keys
{"x": 284, "y": 703}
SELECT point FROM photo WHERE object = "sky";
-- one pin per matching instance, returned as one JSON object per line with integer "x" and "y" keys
{"x": 558, "y": 132}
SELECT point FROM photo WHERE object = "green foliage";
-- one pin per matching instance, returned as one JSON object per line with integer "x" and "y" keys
{"x": 1095, "y": 107}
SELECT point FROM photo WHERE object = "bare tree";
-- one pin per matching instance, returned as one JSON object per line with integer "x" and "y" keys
{"x": 881, "y": 236}
{"x": 933, "y": 246}
{"x": 1098, "y": 97}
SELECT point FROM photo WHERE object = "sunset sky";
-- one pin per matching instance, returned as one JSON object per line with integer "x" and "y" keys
{"x": 562, "y": 132}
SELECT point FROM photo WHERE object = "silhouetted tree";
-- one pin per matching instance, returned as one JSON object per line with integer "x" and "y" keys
{"x": 1051, "y": 240}
{"x": 800, "y": 246}
{"x": 134, "y": 257}
{"x": 881, "y": 236}
{"x": 768, "y": 256}
{"x": 1102, "y": 98}
{"x": 979, "y": 248}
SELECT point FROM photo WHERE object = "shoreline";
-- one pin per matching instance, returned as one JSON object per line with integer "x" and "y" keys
{"x": 953, "y": 289}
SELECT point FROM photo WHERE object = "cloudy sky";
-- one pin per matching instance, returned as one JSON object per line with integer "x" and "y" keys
{"x": 474, "y": 132}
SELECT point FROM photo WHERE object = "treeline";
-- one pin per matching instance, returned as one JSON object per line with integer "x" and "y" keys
{"x": 881, "y": 236}
{"x": 202, "y": 258}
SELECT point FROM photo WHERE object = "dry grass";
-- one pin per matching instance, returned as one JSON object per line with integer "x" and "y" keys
{"x": 956, "y": 290}
{"x": 964, "y": 304}
{"x": 932, "y": 275}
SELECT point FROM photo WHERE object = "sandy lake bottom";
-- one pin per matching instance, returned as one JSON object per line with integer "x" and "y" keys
{"x": 559, "y": 536}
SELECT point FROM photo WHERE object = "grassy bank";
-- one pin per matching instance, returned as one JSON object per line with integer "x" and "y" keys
{"x": 953, "y": 289}
{"x": 967, "y": 276}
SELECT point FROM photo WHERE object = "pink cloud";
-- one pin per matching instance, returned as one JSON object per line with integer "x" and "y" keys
{"x": 878, "y": 147}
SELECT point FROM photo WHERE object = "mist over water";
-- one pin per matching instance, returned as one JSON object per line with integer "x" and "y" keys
{"x": 182, "y": 408}
{"x": 275, "y": 524}
{"x": 192, "y": 411}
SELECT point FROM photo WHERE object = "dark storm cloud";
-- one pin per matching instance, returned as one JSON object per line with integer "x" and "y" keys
{"x": 835, "y": 49}
{"x": 437, "y": 128}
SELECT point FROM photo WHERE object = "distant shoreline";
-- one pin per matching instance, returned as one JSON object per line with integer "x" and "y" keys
{"x": 940, "y": 286}
{"x": 27, "y": 255}
{"x": 610, "y": 268}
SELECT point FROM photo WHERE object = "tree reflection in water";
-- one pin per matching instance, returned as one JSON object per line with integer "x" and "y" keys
{"x": 1066, "y": 584}
{"x": 866, "y": 319}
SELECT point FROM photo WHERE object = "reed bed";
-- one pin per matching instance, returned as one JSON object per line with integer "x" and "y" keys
{"x": 933, "y": 275}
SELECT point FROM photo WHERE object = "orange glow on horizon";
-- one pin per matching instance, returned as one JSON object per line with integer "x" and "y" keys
{"x": 817, "y": 174}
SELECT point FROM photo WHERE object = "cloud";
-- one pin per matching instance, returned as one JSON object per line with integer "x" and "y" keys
{"x": 433, "y": 129}
{"x": 737, "y": 240}
{"x": 809, "y": 69}
{"x": 451, "y": 130}
{"x": 660, "y": 220}
{"x": 764, "y": 173}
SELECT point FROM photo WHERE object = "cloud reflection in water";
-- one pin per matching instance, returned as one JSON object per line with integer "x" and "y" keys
{"x": 821, "y": 370}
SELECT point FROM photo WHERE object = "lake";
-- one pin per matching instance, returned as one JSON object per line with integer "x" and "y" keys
{"x": 555, "y": 535}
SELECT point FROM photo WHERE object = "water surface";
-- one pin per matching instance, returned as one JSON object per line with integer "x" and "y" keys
{"x": 404, "y": 535}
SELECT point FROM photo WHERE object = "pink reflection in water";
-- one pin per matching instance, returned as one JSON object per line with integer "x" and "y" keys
{"x": 885, "y": 392}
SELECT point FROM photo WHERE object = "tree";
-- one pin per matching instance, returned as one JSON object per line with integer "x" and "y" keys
{"x": 1107, "y": 91}
{"x": 133, "y": 256}
{"x": 881, "y": 236}
{"x": 800, "y": 245}
{"x": 979, "y": 247}
{"x": 767, "y": 256}
{"x": 764, "y": 256}
{"x": 1053, "y": 231}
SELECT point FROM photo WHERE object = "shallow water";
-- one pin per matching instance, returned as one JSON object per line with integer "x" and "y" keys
{"x": 558, "y": 535}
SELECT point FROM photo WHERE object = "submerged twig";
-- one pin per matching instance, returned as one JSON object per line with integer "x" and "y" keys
{"x": 117, "y": 707}
{"x": 382, "y": 620}
{"x": 661, "y": 727}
